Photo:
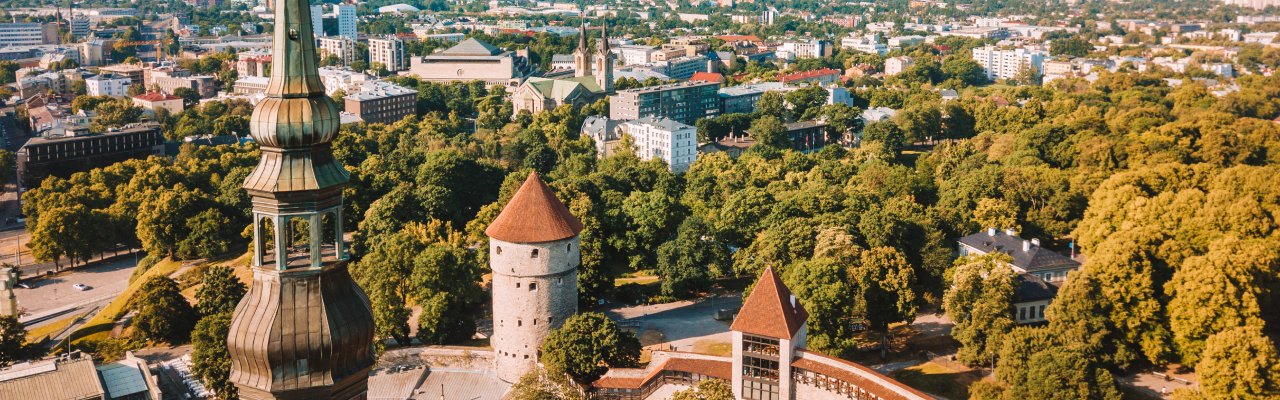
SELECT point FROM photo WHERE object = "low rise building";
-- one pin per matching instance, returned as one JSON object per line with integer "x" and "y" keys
{"x": 895, "y": 65}
{"x": 823, "y": 76}
{"x": 155, "y": 101}
{"x": 107, "y": 85}
{"x": 743, "y": 98}
{"x": 28, "y": 34}
{"x": 42, "y": 157}
{"x": 1040, "y": 271}
{"x": 664, "y": 139}
{"x": 472, "y": 60}
{"x": 135, "y": 73}
{"x": 812, "y": 48}
{"x": 866, "y": 44}
{"x": 381, "y": 102}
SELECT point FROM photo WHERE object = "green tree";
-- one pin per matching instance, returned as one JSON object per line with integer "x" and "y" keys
{"x": 772, "y": 103}
{"x": 886, "y": 133}
{"x": 1073, "y": 46}
{"x": 190, "y": 97}
{"x": 163, "y": 314}
{"x": 1240, "y": 363}
{"x": 768, "y": 130}
{"x": 220, "y": 291}
{"x": 823, "y": 287}
{"x": 995, "y": 213}
{"x": 707, "y": 389}
{"x": 919, "y": 122}
{"x": 886, "y": 285}
{"x": 1034, "y": 365}
{"x": 980, "y": 301}
{"x": 13, "y": 341}
{"x": 115, "y": 113}
{"x": 687, "y": 263}
{"x": 587, "y": 345}
{"x": 964, "y": 70}
{"x": 210, "y": 359}
{"x": 1220, "y": 291}
{"x": 541, "y": 384}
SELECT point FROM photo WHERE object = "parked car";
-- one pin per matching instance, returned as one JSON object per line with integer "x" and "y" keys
{"x": 81, "y": 287}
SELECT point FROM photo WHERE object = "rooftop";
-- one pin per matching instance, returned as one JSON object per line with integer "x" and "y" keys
{"x": 472, "y": 47}
{"x": 805, "y": 75}
{"x": 771, "y": 310}
{"x": 1026, "y": 256}
{"x": 51, "y": 379}
{"x": 379, "y": 90}
{"x": 534, "y": 215}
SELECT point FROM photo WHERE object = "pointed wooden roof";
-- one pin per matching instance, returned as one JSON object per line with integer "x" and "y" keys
{"x": 534, "y": 215}
{"x": 768, "y": 311}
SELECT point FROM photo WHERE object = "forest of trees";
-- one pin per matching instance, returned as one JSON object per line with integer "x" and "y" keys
{"x": 1167, "y": 191}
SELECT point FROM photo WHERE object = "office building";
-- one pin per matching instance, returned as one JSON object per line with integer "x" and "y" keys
{"x": 317, "y": 20}
{"x": 346, "y": 20}
{"x": 867, "y": 44}
{"x": 381, "y": 102}
{"x": 79, "y": 26}
{"x": 743, "y": 98}
{"x": 389, "y": 52}
{"x": 28, "y": 34}
{"x": 685, "y": 102}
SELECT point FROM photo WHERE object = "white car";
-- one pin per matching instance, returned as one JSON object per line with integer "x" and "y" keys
{"x": 81, "y": 287}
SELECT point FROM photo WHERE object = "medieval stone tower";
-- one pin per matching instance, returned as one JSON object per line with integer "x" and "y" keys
{"x": 533, "y": 250}
{"x": 304, "y": 330}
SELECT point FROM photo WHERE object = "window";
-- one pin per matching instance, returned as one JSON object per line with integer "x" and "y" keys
{"x": 519, "y": 323}
{"x": 533, "y": 254}
{"x": 517, "y": 285}
{"x": 498, "y": 250}
{"x": 1022, "y": 313}
{"x": 1041, "y": 311}
{"x": 533, "y": 286}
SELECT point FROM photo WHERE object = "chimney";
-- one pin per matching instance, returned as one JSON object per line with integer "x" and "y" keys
{"x": 1010, "y": 232}
{"x": 1026, "y": 245}
{"x": 1035, "y": 242}
{"x": 991, "y": 232}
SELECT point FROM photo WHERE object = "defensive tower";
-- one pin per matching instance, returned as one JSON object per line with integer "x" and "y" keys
{"x": 533, "y": 250}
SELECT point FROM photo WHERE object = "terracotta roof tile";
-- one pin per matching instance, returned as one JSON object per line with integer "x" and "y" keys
{"x": 534, "y": 215}
{"x": 632, "y": 379}
{"x": 867, "y": 379}
{"x": 800, "y": 76}
{"x": 768, "y": 311}
{"x": 707, "y": 77}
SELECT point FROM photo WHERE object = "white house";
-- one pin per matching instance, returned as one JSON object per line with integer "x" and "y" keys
{"x": 107, "y": 85}
{"x": 665, "y": 139}
{"x": 1040, "y": 271}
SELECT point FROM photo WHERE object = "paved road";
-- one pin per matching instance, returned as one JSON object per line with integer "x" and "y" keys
{"x": 106, "y": 279}
{"x": 683, "y": 324}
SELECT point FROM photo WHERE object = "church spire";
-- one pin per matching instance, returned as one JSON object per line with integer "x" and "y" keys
{"x": 604, "y": 36}
{"x": 582, "y": 55}
{"x": 305, "y": 329}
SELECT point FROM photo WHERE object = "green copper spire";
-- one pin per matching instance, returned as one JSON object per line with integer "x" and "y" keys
{"x": 293, "y": 60}
{"x": 296, "y": 121}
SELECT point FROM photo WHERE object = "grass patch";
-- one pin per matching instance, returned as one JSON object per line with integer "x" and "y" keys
{"x": 99, "y": 327}
{"x": 938, "y": 380}
{"x": 639, "y": 280}
{"x": 714, "y": 348}
{"x": 52, "y": 328}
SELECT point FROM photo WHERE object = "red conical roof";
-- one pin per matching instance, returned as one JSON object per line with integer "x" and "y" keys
{"x": 534, "y": 215}
{"x": 768, "y": 311}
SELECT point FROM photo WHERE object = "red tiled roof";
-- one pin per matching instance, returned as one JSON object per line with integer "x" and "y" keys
{"x": 769, "y": 310}
{"x": 740, "y": 38}
{"x": 858, "y": 375}
{"x": 799, "y": 76}
{"x": 713, "y": 368}
{"x": 156, "y": 96}
{"x": 534, "y": 215}
{"x": 713, "y": 77}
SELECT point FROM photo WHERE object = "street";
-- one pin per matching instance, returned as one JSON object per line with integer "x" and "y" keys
{"x": 56, "y": 294}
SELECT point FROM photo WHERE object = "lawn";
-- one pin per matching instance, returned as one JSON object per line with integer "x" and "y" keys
{"x": 52, "y": 328}
{"x": 937, "y": 380}
{"x": 99, "y": 327}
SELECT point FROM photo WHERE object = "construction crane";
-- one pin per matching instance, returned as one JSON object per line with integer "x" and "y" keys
{"x": 157, "y": 43}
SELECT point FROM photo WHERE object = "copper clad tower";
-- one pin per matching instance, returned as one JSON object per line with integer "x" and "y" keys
{"x": 305, "y": 329}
